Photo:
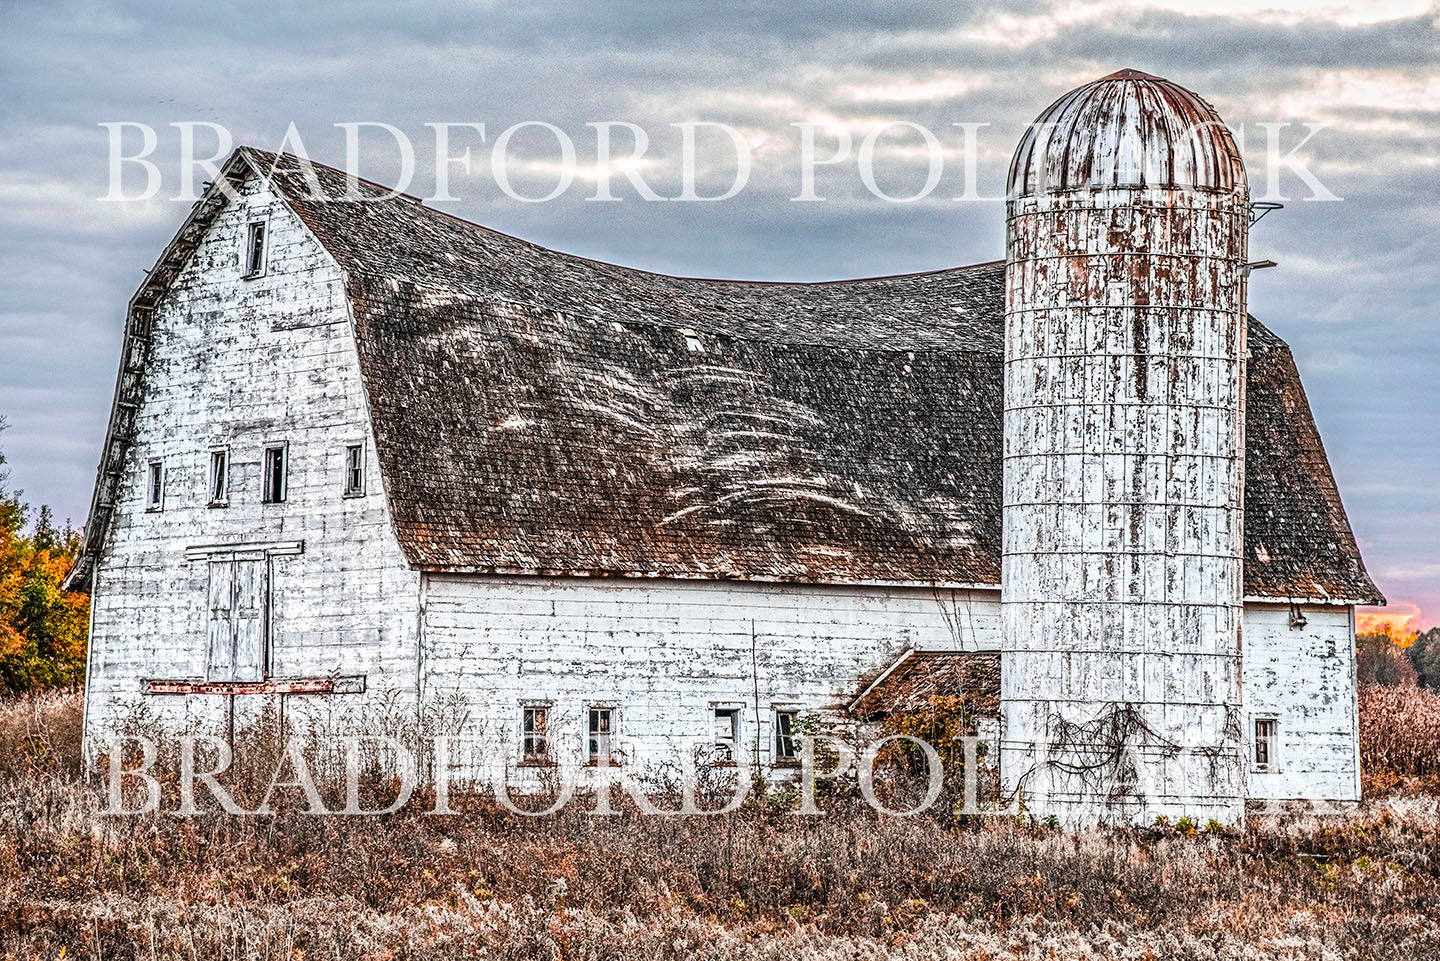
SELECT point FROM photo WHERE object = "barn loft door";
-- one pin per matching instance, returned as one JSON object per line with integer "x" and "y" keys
{"x": 239, "y": 598}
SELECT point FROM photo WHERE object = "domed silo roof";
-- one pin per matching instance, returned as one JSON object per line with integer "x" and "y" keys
{"x": 1127, "y": 130}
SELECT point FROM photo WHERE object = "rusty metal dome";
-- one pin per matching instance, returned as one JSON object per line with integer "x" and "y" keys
{"x": 1129, "y": 129}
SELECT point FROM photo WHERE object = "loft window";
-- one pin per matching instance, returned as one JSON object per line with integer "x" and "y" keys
{"x": 727, "y": 732}
{"x": 693, "y": 341}
{"x": 155, "y": 485}
{"x": 255, "y": 249}
{"x": 354, "y": 470}
{"x": 219, "y": 477}
{"x": 1266, "y": 743}
{"x": 275, "y": 467}
{"x": 534, "y": 735}
{"x": 600, "y": 734}
{"x": 785, "y": 735}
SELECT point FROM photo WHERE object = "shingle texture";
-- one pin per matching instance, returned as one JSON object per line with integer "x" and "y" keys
{"x": 1298, "y": 541}
{"x": 536, "y": 412}
{"x": 921, "y": 676}
{"x": 541, "y": 413}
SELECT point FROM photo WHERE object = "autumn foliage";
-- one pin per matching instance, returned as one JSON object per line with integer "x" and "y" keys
{"x": 1399, "y": 707}
{"x": 42, "y": 627}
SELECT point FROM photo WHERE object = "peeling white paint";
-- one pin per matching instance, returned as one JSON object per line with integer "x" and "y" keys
{"x": 1124, "y": 453}
{"x": 244, "y": 364}
{"x": 1122, "y": 529}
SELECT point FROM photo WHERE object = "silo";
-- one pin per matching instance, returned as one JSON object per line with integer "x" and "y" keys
{"x": 1127, "y": 219}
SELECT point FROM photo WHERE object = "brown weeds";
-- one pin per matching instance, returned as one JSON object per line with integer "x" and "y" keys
{"x": 759, "y": 883}
{"x": 1400, "y": 730}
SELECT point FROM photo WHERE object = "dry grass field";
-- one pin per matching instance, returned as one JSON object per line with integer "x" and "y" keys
{"x": 758, "y": 883}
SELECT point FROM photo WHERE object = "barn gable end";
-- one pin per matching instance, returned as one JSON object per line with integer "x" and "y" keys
{"x": 189, "y": 586}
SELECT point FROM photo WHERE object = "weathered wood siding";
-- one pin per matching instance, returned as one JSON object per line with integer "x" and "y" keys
{"x": 664, "y": 652}
{"x": 1304, "y": 678}
{"x": 1122, "y": 533}
{"x": 246, "y": 363}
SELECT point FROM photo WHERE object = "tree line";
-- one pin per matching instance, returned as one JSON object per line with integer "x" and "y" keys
{"x": 1397, "y": 659}
{"x": 43, "y": 628}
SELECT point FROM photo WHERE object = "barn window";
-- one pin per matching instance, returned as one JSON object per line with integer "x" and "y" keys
{"x": 785, "y": 735}
{"x": 1267, "y": 743}
{"x": 255, "y": 249}
{"x": 600, "y": 735}
{"x": 155, "y": 485}
{"x": 354, "y": 470}
{"x": 535, "y": 734}
{"x": 727, "y": 732}
{"x": 276, "y": 465}
{"x": 219, "y": 477}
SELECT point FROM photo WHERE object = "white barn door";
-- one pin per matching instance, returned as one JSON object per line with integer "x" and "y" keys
{"x": 238, "y": 622}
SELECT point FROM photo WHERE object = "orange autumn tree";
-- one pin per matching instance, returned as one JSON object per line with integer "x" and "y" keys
{"x": 1381, "y": 656}
{"x": 42, "y": 627}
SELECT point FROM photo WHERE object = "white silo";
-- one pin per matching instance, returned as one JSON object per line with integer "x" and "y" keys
{"x": 1127, "y": 221}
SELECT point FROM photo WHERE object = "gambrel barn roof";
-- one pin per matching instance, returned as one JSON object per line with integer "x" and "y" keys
{"x": 540, "y": 413}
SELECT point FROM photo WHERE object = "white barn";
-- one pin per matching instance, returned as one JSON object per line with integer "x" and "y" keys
{"x": 366, "y": 452}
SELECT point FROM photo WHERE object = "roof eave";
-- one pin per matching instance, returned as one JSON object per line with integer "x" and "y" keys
{"x": 1376, "y": 599}
{"x": 134, "y": 354}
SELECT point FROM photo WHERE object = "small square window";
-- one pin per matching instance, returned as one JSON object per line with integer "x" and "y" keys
{"x": 535, "y": 735}
{"x": 785, "y": 735}
{"x": 155, "y": 485}
{"x": 255, "y": 249}
{"x": 354, "y": 470}
{"x": 275, "y": 469}
{"x": 600, "y": 734}
{"x": 219, "y": 478}
{"x": 1267, "y": 743}
{"x": 727, "y": 732}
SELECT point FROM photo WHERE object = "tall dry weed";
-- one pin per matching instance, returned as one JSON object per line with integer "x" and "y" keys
{"x": 1400, "y": 730}
{"x": 757, "y": 883}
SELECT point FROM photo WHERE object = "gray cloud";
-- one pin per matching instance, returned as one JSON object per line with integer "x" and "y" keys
{"x": 1353, "y": 294}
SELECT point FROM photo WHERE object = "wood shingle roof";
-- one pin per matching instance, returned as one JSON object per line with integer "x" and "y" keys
{"x": 540, "y": 413}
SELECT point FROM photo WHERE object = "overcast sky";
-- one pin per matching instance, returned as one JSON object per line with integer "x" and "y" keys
{"x": 1354, "y": 292}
